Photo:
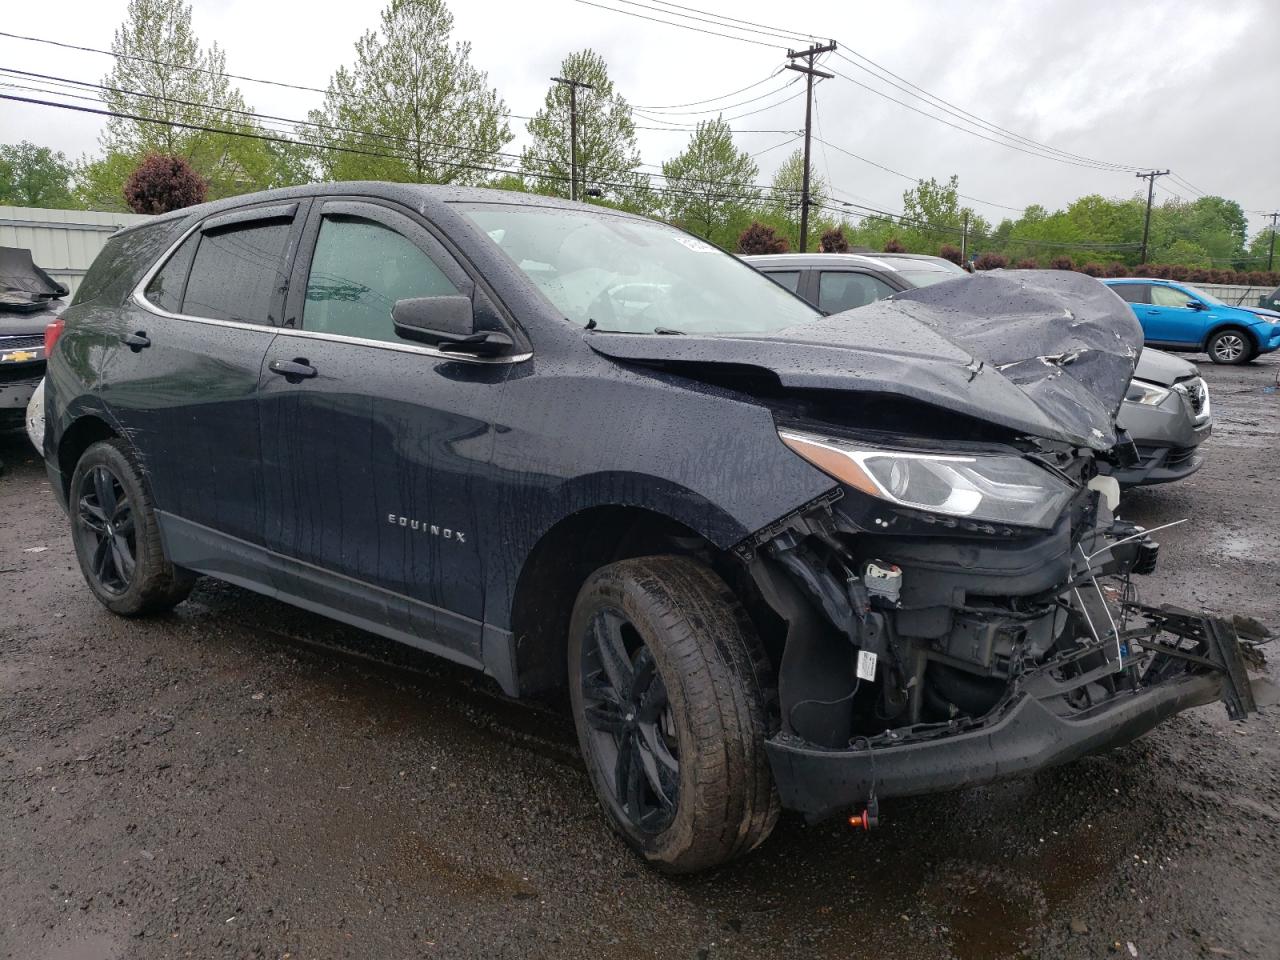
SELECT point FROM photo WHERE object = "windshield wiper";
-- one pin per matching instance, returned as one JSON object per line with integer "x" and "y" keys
{"x": 669, "y": 331}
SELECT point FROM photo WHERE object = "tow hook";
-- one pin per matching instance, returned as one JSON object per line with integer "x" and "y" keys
{"x": 869, "y": 817}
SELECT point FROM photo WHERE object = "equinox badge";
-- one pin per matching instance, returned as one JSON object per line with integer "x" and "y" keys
{"x": 436, "y": 531}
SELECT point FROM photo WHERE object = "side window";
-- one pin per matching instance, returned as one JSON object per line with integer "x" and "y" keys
{"x": 1132, "y": 292}
{"x": 237, "y": 272}
{"x": 788, "y": 278}
{"x": 846, "y": 290}
{"x": 165, "y": 288}
{"x": 358, "y": 271}
{"x": 1163, "y": 296}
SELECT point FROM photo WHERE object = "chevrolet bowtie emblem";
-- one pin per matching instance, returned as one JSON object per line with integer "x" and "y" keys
{"x": 18, "y": 356}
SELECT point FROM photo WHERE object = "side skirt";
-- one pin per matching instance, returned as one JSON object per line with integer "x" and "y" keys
{"x": 353, "y": 602}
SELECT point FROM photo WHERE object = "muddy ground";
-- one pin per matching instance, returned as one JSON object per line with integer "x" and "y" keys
{"x": 241, "y": 779}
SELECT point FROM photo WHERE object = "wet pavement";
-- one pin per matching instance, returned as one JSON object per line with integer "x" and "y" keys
{"x": 242, "y": 779}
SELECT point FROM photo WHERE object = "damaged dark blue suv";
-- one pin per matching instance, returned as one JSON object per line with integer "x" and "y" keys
{"x": 775, "y": 559}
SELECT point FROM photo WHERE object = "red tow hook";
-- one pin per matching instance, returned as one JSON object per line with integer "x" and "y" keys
{"x": 868, "y": 818}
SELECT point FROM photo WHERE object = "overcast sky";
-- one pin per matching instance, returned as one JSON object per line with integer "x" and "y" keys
{"x": 1184, "y": 85}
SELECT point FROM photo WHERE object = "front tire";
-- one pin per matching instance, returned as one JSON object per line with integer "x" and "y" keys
{"x": 672, "y": 698}
{"x": 1230, "y": 347}
{"x": 117, "y": 538}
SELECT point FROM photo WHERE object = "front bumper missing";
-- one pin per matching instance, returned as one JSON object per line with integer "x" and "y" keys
{"x": 1033, "y": 728}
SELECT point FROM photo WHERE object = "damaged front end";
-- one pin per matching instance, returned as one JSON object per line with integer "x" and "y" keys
{"x": 917, "y": 662}
{"x": 961, "y": 608}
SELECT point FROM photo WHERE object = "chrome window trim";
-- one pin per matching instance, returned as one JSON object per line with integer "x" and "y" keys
{"x": 139, "y": 298}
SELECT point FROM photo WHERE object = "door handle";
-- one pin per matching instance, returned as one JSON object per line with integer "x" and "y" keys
{"x": 137, "y": 341}
{"x": 292, "y": 370}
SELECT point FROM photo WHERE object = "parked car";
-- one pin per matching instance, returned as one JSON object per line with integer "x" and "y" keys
{"x": 775, "y": 559}
{"x": 835, "y": 282}
{"x": 29, "y": 299}
{"x": 1178, "y": 316}
{"x": 1166, "y": 410}
{"x": 1270, "y": 301}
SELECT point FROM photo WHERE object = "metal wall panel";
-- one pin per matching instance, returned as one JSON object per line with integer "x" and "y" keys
{"x": 63, "y": 242}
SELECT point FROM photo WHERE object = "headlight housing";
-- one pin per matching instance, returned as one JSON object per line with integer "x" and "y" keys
{"x": 996, "y": 489}
{"x": 1145, "y": 393}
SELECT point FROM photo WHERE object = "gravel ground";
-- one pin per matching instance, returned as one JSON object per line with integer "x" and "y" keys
{"x": 242, "y": 779}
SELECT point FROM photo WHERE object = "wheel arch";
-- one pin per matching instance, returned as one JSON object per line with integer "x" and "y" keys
{"x": 560, "y": 562}
{"x": 1230, "y": 325}
{"x": 76, "y": 438}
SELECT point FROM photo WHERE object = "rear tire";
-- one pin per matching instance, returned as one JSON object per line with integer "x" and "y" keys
{"x": 673, "y": 698}
{"x": 1230, "y": 347}
{"x": 116, "y": 536}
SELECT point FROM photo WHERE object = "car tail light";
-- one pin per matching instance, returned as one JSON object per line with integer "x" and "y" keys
{"x": 51, "y": 334}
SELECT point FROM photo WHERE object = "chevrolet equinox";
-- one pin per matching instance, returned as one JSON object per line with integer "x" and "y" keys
{"x": 776, "y": 560}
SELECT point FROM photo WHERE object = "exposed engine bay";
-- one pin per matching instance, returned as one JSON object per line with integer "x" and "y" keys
{"x": 905, "y": 631}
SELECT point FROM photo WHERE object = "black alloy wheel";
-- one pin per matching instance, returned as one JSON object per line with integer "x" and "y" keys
{"x": 104, "y": 524}
{"x": 116, "y": 533}
{"x": 632, "y": 732}
{"x": 673, "y": 699}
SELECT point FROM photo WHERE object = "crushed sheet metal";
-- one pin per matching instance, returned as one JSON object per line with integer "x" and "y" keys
{"x": 1048, "y": 353}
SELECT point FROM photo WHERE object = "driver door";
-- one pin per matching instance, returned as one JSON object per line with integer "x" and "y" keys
{"x": 1169, "y": 319}
{"x": 374, "y": 446}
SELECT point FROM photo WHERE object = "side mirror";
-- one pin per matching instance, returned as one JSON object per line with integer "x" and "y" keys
{"x": 447, "y": 323}
{"x": 1194, "y": 305}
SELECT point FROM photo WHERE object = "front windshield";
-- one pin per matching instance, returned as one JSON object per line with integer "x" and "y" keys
{"x": 1206, "y": 297}
{"x": 636, "y": 276}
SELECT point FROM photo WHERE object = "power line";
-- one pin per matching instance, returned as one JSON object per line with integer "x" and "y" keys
{"x": 697, "y": 103}
{"x": 964, "y": 115}
{"x": 1029, "y": 146}
{"x": 907, "y": 176}
{"x": 689, "y": 16}
{"x": 973, "y": 133}
{"x": 675, "y": 191}
{"x": 629, "y": 13}
{"x": 739, "y": 116}
{"x": 776, "y": 31}
{"x": 719, "y": 109}
{"x": 295, "y": 124}
{"x": 163, "y": 63}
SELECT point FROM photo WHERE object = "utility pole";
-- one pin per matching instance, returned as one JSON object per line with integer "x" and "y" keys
{"x": 1150, "y": 177}
{"x": 573, "y": 86}
{"x": 810, "y": 72}
{"x": 1271, "y": 254}
{"x": 964, "y": 238}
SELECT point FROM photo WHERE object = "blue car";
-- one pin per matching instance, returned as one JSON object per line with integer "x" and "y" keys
{"x": 1176, "y": 316}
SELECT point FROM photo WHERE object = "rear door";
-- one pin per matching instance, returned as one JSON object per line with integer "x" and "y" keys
{"x": 372, "y": 458}
{"x": 840, "y": 290}
{"x": 184, "y": 387}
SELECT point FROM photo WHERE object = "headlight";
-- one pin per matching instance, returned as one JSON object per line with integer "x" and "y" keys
{"x": 999, "y": 489}
{"x": 1147, "y": 393}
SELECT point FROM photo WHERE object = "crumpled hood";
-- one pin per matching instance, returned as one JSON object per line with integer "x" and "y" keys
{"x": 1048, "y": 353}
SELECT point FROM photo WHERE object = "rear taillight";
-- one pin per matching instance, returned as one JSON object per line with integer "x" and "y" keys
{"x": 51, "y": 334}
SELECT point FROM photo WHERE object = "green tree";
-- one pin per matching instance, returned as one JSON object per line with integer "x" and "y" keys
{"x": 608, "y": 159}
{"x": 162, "y": 74}
{"x": 932, "y": 216}
{"x": 783, "y": 207}
{"x": 711, "y": 185}
{"x": 32, "y": 176}
{"x": 1260, "y": 248}
{"x": 414, "y": 98}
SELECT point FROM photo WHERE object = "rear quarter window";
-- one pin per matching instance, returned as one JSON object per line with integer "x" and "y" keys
{"x": 121, "y": 264}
